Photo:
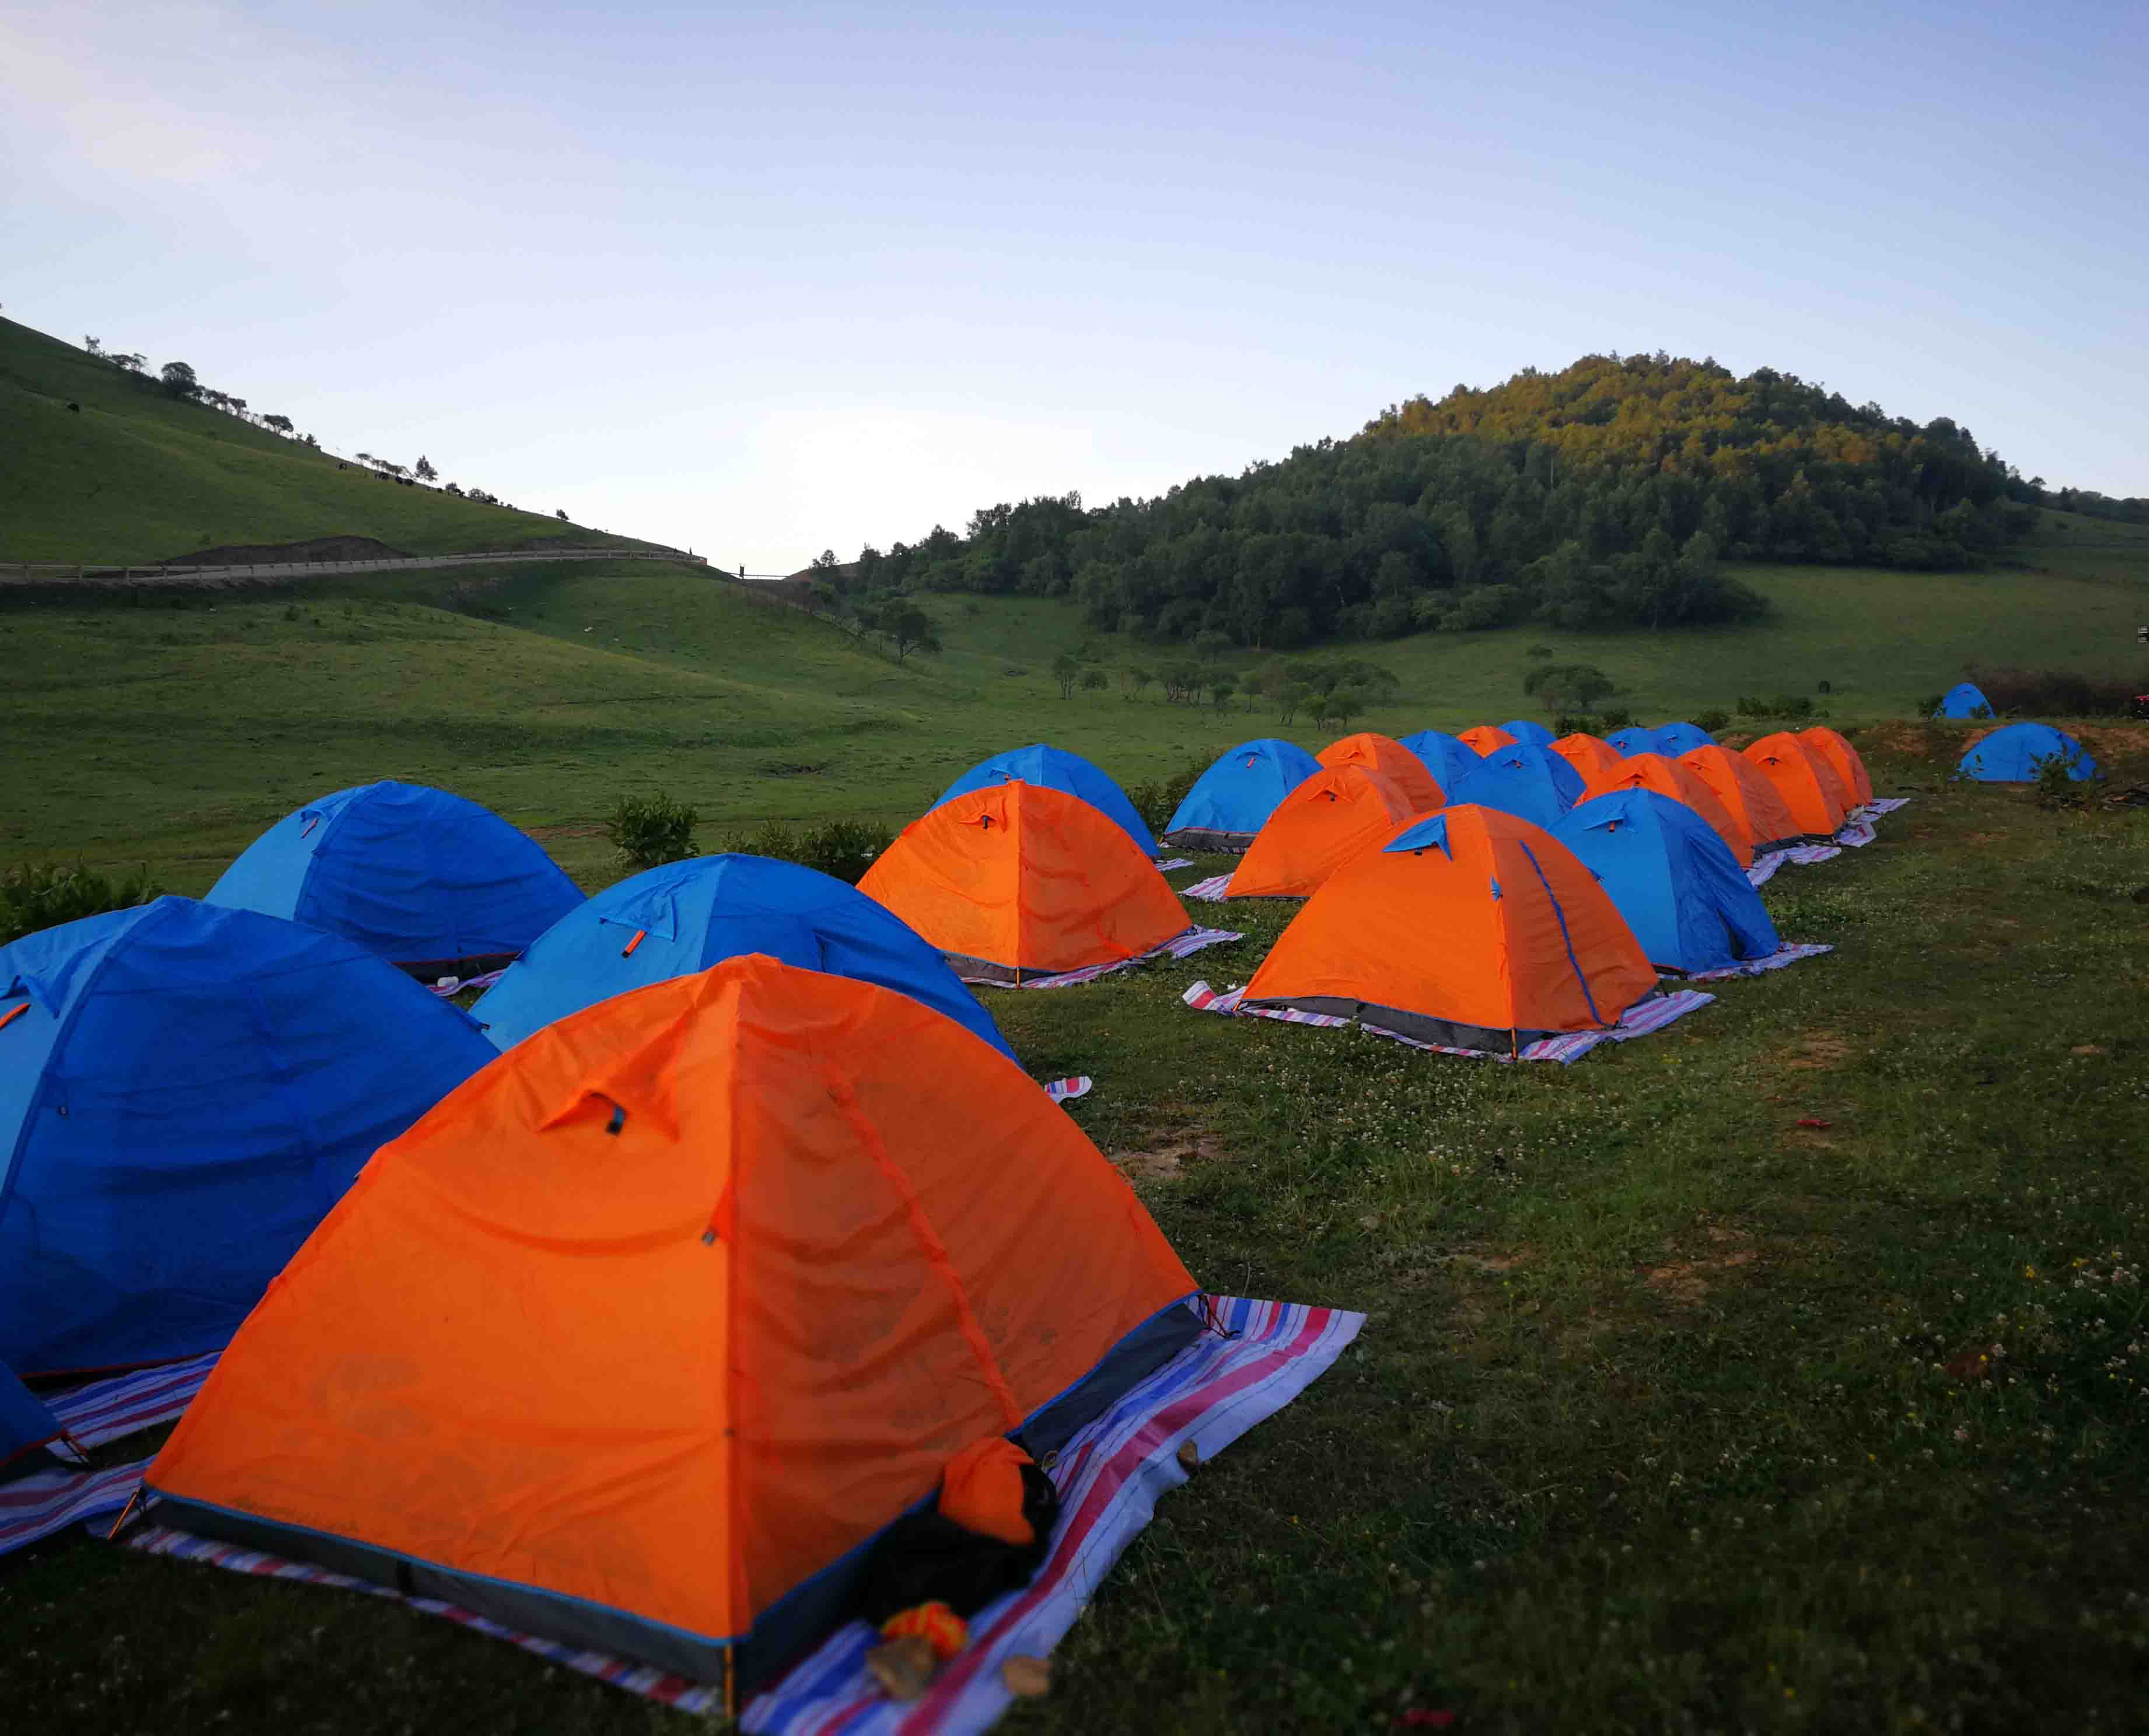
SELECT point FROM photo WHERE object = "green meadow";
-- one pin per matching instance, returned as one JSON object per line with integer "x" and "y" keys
{"x": 1786, "y": 1370}
{"x": 171, "y": 727}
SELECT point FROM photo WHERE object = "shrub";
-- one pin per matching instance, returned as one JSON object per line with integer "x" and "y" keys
{"x": 2053, "y": 784}
{"x": 1157, "y": 801}
{"x": 43, "y": 894}
{"x": 1617, "y": 717}
{"x": 1538, "y": 651}
{"x": 1564, "y": 684}
{"x": 1713, "y": 720}
{"x": 1930, "y": 706}
{"x": 648, "y": 831}
{"x": 1567, "y": 724}
{"x": 843, "y": 849}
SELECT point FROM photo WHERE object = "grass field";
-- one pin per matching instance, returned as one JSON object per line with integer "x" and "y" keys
{"x": 1668, "y": 1413}
{"x": 135, "y": 476}
{"x": 140, "y": 730}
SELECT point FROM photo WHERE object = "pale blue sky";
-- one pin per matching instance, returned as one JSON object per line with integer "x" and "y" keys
{"x": 764, "y": 280}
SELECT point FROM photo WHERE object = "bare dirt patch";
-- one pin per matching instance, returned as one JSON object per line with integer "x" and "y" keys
{"x": 542, "y": 832}
{"x": 1687, "y": 1281}
{"x": 1817, "y": 1051}
{"x": 1166, "y": 1160}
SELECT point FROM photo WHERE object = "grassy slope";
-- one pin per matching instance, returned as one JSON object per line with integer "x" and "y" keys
{"x": 136, "y": 476}
{"x": 175, "y": 734}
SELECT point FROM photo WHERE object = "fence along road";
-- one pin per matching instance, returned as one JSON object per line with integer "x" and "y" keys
{"x": 106, "y": 573}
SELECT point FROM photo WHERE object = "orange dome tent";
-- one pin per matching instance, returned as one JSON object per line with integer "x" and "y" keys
{"x": 1394, "y": 761}
{"x": 1668, "y": 777}
{"x": 1484, "y": 737}
{"x": 1334, "y": 815}
{"x": 1807, "y": 782}
{"x": 1587, "y": 754}
{"x": 1472, "y": 929}
{"x": 1015, "y": 880}
{"x": 1747, "y": 796}
{"x": 1849, "y": 765}
{"x": 636, "y": 1338}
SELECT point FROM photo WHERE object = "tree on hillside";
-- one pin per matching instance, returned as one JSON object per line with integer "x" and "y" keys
{"x": 906, "y": 628}
{"x": 1568, "y": 686}
{"x": 560, "y": 514}
{"x": 282, "y": 424}
{"x": 1067, "y": 670}
{"x": 178, "y": 379}
{"x": 129, "y": 361}
{"x": 1291, "y": 698}
{"x": 424, "y": 472}
{"x": 95, "y": 346}
{"x": 1094, "y": 680}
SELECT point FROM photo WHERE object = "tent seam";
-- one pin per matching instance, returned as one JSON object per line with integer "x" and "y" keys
{"x": 928, "y": 1241}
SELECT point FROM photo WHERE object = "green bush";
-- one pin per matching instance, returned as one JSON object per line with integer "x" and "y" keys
{"x": 843, "y": 849}
{"x": 648, "y": 831}
{"x": 1713, "y": 720}
{"x": 2053, "y": 784}
{"x": 1618, "y": 717}
{"x": 43, "y": 894}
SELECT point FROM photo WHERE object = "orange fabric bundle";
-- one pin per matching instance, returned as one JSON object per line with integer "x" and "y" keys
{"x": 935, "y": 1624}
{"x": 981, "y": 1491}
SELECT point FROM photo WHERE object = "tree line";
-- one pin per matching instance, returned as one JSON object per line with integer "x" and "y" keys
{"x": 1609, "y": 494}
{"x": 178, "y": 380}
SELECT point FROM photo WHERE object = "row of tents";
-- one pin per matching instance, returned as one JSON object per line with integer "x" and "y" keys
{"x": 728, "y": 1199}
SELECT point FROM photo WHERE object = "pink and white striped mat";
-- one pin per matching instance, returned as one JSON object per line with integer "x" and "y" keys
{"x": 45, "y": 1502}
{"x": 1788, "y": 953}
{"x": 1109, "y": 1476}
{"x": 1639, "y": 1020}
{"x": 1178, "y": 946}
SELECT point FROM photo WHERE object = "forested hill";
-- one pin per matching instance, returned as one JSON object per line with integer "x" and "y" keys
{"x": 1607, "y": 493}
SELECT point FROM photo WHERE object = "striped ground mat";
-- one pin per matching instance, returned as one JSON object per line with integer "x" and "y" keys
{"x": 1178, "y": 946}
{"x": 1639, "y": 1020}
{"x": 1175, "y": 863}
{"x": 1066, "y": 1090}
{"x": 1207, "y": 891}
{"x": 45, "y": 1502}
{"x": 1109, "y": 1476}
{"x": 1788, "y": 953}
{"x": 1881, "y": 804}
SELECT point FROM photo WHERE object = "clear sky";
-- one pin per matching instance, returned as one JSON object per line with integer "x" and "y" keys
{"x": 767, "y": 279}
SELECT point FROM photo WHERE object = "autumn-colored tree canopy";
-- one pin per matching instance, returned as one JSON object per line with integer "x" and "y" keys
{"x": 1604, "y": 495}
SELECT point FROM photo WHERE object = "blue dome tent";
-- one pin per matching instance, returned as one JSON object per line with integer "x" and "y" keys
{"x": 25, "y": 1423}
{"x": 1674, "y": 738}
{"x": 1528, "y": 782}
{"x": 1447, "y": 757}
{"x": 427, "y": 880}
{"x": 1634, "y": 740}
{"x": 1672, "y": 877}
{"x": 1963, "y": 700}
{"x": 1233, "y": 800}
{"x": 2010, "y": 755}
{"x": 1528, "y": 734}
{"x": 184, "y": 1092}
{"x": 685, "y": 916}
{"x": 1055, "y": 769}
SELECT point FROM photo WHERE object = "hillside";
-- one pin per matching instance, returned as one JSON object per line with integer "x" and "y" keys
{"x": 1607, "y": 495}
{"x": 137, "y": 475}
{"x": 171, "y": 729}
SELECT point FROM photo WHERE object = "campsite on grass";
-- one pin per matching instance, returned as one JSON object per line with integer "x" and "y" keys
{"x": 1488, "y": 1077}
